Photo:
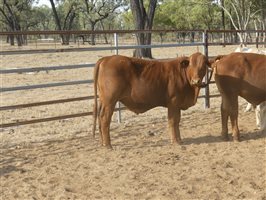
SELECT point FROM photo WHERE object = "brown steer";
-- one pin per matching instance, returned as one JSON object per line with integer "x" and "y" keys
{"x": 144, "y": 84}
{"x": 239, "y": 74}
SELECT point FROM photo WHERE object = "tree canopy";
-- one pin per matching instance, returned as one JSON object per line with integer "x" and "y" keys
{"x": 17, "y": 15}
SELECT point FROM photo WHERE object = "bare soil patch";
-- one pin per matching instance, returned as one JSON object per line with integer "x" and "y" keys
{"x": 61, "y": 160}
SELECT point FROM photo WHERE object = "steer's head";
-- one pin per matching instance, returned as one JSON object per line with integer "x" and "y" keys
{"x": 196, "y": 69}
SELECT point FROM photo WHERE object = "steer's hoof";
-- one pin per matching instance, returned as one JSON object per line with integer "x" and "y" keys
{"x": 225, "y": 137}
{"x": 108, "y": 146}
{"x": 177, "y": 142}
{"x": 236, "y": 139}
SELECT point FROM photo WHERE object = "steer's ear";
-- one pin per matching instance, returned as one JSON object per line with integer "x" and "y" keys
{"x": 184, "y": 63}
{"x": 213, "y": 61}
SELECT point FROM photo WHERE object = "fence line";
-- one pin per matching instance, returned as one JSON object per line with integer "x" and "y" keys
{"x": 44, "y": 119}
{"x": 87, "y": 32}
{"x": 205, "y": 45}
{"x": 231, "y": 43}
{"x": 121, "y": 47}
{"x": 45, "y": 103}
{"x": 38, "y": 69}
{"x": 52, "y": 118}
{"x": 30, "y": 87}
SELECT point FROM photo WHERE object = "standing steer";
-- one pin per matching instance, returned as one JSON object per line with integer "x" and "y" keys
{"x": 144, "y": 84}
{"x": 260, "y": 116}
{"x": 239, "y": 74}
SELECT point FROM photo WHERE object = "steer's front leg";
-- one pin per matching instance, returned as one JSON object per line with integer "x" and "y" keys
{"x": 173, "y": 123}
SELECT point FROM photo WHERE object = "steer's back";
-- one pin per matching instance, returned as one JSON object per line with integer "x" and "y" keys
{"x": 244, "y": 74}
{"x": 139, "y": 84}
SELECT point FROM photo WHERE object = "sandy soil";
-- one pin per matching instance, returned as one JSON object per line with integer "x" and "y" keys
{"x": 61, "y": 159}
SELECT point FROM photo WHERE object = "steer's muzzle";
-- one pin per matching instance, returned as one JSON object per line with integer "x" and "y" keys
{"x": 196, "y": 82}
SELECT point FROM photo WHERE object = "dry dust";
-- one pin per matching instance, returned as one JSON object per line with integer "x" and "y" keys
{"x": 61, "y": 159}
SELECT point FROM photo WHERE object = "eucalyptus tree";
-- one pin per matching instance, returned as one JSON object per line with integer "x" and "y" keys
{"x": 241, "y": 13}
{"x": 43, "y": 17}
{"x": 173, "y": 14}
{"x": 143, "y": 15}
{"x": 65, "y": 12}
{"x": 95, "y": 11}
{"x": 260, "y": 19}
{"x": 14, "y": 14}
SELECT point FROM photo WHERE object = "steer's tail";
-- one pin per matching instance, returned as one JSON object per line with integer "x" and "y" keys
{"x": 95, "y": 109}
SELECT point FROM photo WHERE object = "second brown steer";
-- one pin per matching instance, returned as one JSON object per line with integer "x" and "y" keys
{"x": 239, "y": 74}
{"x": 144, "y": 84}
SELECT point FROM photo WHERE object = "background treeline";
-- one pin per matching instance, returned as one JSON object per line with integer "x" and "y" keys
{"x": 19, "y": 15}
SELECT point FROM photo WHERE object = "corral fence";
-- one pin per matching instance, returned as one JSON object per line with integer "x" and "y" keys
{"x": 178, "y": 38}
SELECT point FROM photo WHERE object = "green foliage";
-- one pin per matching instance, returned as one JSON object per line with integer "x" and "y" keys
{"x": 14, "y": 14}
{"x": 94, "y": 11}
{"x": 170, "y": 14}
{"x": 41, "y": 17}
{"x": 187, "y": 14}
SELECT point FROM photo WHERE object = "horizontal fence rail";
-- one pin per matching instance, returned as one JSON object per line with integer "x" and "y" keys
{"x": 19, "y": 106}
{"x": 48, "y": 119}
{"x": 122, "y": 47}
{"x": 86, "y": 32}
{"x": 19, "y": 123}
{"x": 39, "y": 69}
{"x": 232, "y": 43}
{"x": 31, "y": 87}
{"x": 205, "y": 43}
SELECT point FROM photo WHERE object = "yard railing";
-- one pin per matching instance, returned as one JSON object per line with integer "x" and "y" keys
{"x": 204, "y": 42}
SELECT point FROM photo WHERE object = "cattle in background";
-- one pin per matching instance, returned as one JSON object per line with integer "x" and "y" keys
{"x": 239, "y": 74}
{"x": 145, "y": 84}
{"x": 260, "y": 116}
{"x": 250, "y": 50}
{"x": 263, "y": 116}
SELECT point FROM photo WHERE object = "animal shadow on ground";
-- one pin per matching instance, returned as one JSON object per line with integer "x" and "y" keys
{"x": 8, "y": 165}
{"x": 216, "y": 139}
{"x": 253, "y": 135}
{"x": 154, "y": 141}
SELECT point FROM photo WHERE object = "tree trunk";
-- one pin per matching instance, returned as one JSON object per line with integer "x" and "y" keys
{"x": 12, "y": 40}
{"x": 143, "y": 21}
{"x": 57, "y": 21}
{"x": 64, "y": 38}
{"x": 104, "y": 35}
{"x": 19, "y": 40}
{"x": 223, "y": 21}
{"x": 143, "y": 39}
{"x": 161, "y": 37}
{"x": 92, "y": 42}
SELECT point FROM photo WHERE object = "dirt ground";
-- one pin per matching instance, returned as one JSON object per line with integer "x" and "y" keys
{"x": 61, "y": 159}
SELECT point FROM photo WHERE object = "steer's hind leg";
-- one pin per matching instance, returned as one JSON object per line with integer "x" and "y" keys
{"x": 99, "y": 119}
{"x": 229, "y": 108}
{"x": 105, "y": 120}
{"x": 224, "y": 116}
{"x": 234, "y": 118}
